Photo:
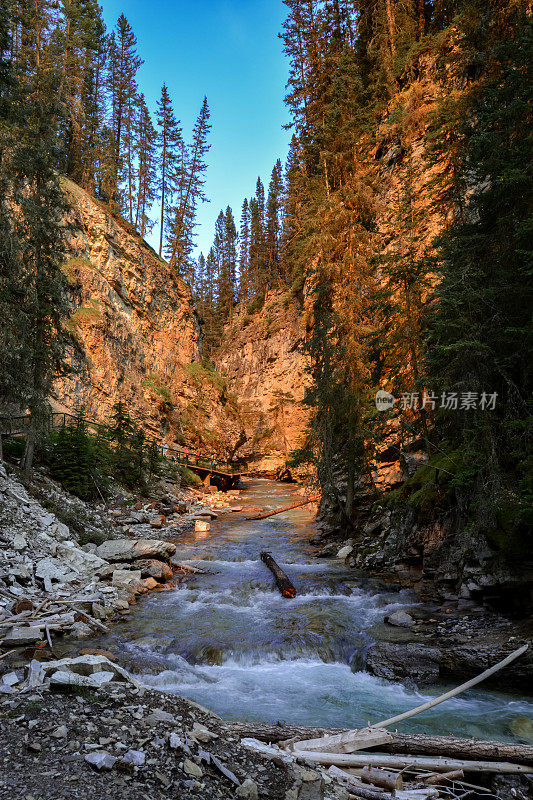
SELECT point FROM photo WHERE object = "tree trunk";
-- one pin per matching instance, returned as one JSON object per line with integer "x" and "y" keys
{"x": 421, "y": 18}
{"x": 402, "y": 743}
{"x": 391, "y": 25}
{"x": 283, "y": 583}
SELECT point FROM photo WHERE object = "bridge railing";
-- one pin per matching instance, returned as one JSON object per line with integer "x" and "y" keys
{"x": 18, "y": 425}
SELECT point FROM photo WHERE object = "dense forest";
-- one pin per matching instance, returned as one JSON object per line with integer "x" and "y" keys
{"x": 441, "y": 319}
{"x": 438, "y": 315}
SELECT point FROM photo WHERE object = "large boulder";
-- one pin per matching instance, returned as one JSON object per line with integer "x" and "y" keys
{"x": 412, "y": 662}
{"x": 131, "y": 550}
{"x": 400, "y": 619}
{"x": 88, "y": 665}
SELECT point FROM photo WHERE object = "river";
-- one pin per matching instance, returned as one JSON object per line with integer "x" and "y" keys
{"x": 228, "y": 640}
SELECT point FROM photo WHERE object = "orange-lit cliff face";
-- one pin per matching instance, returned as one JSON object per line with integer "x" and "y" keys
{"x": 266, "y": 369}
{"x": 136, "y": 338}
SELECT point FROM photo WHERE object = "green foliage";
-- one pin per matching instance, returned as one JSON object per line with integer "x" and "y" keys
{"x": 480, "y": 333}
{"x": 256, "y": 305}
{"x": 205, "y": 373}
{"x": 75, "y": 458}
{"x": 90, "y": 312}
{"x": 156, "y": 385}
{"x": 188, "y": 477}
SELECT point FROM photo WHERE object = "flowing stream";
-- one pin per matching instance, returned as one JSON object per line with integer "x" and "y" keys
{"x": 228, "y": 639}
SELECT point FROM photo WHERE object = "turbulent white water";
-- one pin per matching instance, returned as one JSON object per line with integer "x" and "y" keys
{"x": 231, "y": 642}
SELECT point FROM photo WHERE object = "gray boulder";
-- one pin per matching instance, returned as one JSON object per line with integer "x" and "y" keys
{"x": 133, "y": 549}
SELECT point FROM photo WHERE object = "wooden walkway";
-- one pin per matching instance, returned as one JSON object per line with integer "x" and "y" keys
{"x": 192, "y": 459}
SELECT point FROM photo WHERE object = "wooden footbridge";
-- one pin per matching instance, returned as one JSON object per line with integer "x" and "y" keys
{"x": 223, "y": 473}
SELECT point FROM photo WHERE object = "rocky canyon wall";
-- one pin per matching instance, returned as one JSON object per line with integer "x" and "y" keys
{"x": 262, "y": 360}
{"x": 135, "y": 335}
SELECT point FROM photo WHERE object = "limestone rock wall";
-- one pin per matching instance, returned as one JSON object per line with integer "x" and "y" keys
{"x": 266, "y": 370}
{"x": 134, "y": 333}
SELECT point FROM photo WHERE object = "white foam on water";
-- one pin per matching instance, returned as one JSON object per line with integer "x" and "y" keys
{"x": 307, "y": 691}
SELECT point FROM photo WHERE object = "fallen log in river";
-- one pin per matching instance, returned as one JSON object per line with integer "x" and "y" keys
{"x": 282, "y": 580}
{"x": 298, "y": 504}
{"x": 400, "y": 743}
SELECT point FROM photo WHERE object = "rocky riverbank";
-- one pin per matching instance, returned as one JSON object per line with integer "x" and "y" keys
{"x": 452, "y": 640}
{"x": 121, "y": 740}
{"x": 70, "y": 568}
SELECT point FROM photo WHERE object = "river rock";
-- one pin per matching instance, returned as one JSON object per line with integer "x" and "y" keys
{"x": 52, "y": 569}
{"x": 480, "y": 653}
{"x": 134, "y": 757}
{"x": 522, "y": 728}
{"x": 401, "y": 619}
{"x": 126, "y": 578}
{"x": 191, "y": 768}
{"x": 128, "y": 550}
{"x": 202, "y": 734}
{"x": 20, "y": 637}
{"x": 64, "y": 679}
{"x": 248, "y": 790}
{"x": 151, "y": 568}
{"x": 80, "y": 630}
{"x": 78, "y": 559}
{"x": 89, "y": 665}
{"x": 19, "y": 542}
{"x": 59, "y": 531}
{"x": 344, "y": 552}
{"x": 395, "y": 661}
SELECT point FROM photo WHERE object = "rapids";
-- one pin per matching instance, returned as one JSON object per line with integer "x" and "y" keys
{"x": 228, "y": 639}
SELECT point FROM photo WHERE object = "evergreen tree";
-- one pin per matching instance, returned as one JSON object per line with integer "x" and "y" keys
{"x": 182, "y": 214}
{"x": 94, "y": 108}
{"x": 273, "y": 224}
{"x": 15, "y": 343}
{"x": 257, "y": 254}
{"x": 146, "y": 155}
{"x": 244, "y": 251}
{"x": 480, "y": 330}
{"x": 123, "y": 65}
{"x": 37, "y": 228}
{"x": 225, "y": 247}
{"x": 170, "y": 143}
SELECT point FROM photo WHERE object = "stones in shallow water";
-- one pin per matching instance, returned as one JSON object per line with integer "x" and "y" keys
{"x": 152, "y": 568}
{"x": 522, "y": 728}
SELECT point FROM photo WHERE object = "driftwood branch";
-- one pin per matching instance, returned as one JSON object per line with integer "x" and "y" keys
{"x": 453, "y": 692}
{"x": 298, "y": 504}
{"x": 402, "y": 762}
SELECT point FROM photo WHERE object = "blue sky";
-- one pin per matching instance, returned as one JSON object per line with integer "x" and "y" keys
{"x": 230, "y": 51}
